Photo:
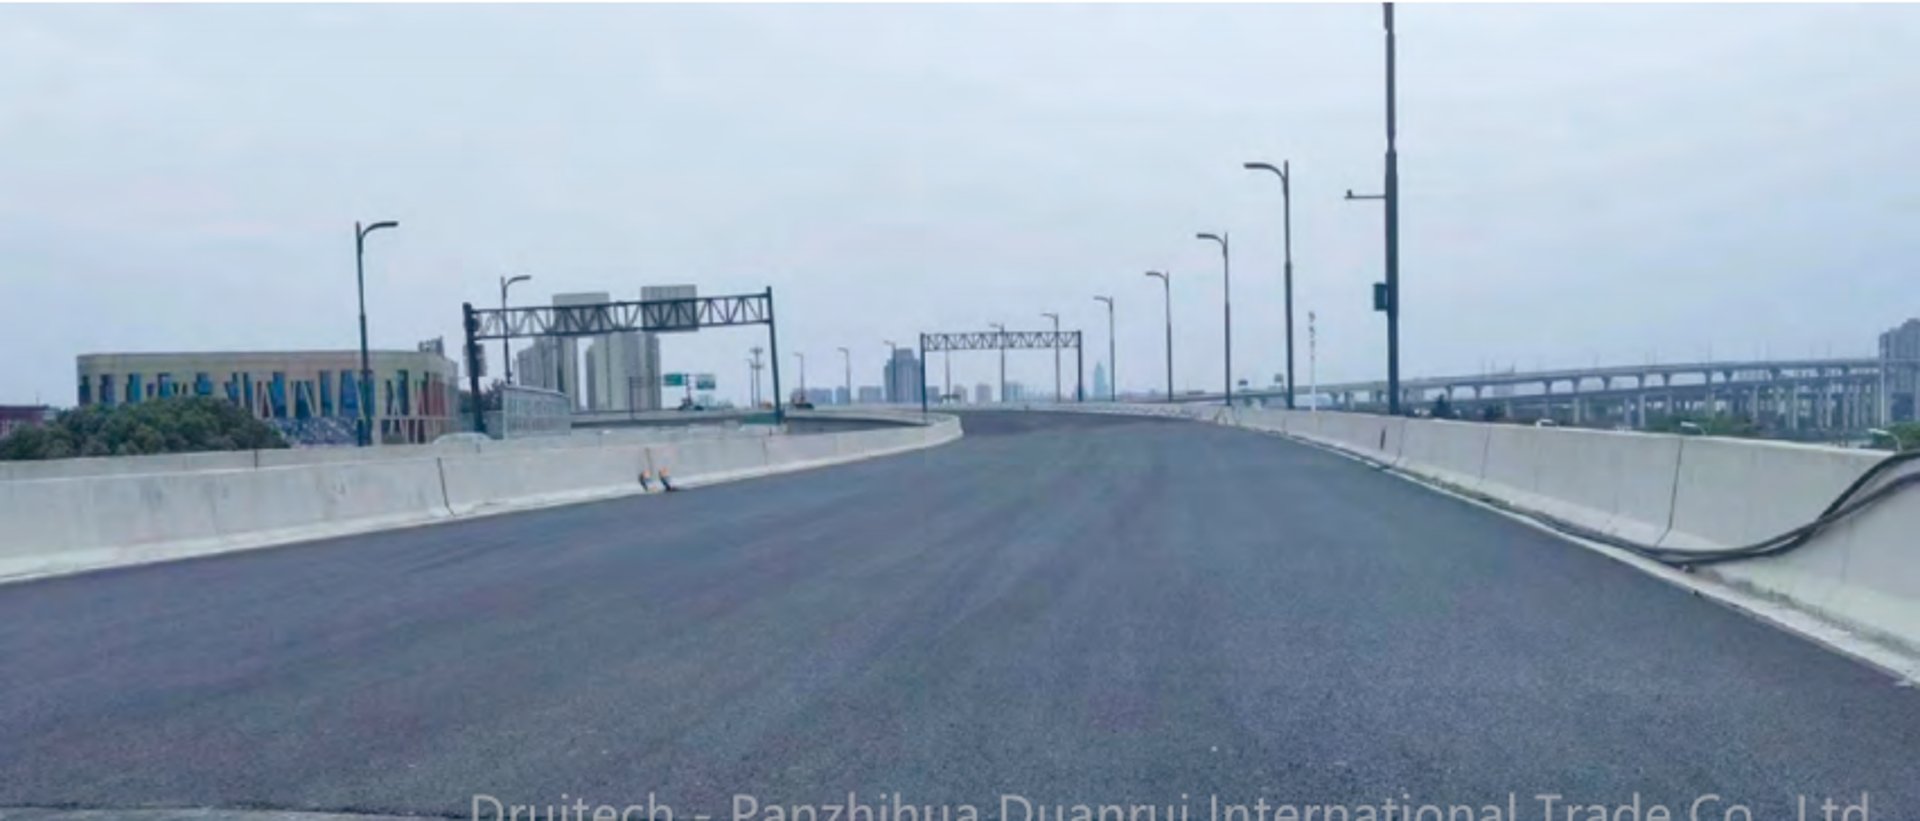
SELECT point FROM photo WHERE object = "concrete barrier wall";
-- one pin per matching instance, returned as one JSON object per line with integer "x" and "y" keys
{"x": 58, "y": 525}
{"x": 712, "y": 460}
{"x": 125, "y": 465}
{"x": 1732, "y": 491}
{"x": 54, "y": 526}
{"x": 1453, "y": 453}
{"x": 1616, "y": 483}
{"x": 805, "y": 450}
{"x": 241, "y": 460}
{"x": 527, "y": 478}
{"x": 1377, "y": 437}
{"x": 1267, "y": 420}
{"x": 1861, "y": 573}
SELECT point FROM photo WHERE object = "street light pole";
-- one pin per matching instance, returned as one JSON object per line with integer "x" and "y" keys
{"x": 1226, "y": 279}
{"x": 1056, "y": 355}
{"x": 1001, "y": 329}
{"x": 506, "y": 352}
{"x": 1393, "y": 231}
{"x": 803, "y": 371}
{"x": 1113, "y": 369}
{"x": 1166, "y": 285}
{"x": 1390, "y": 300}
{"x": 846, "y": 356}
{"x": 365, "y": 436}
{"x": 1285, "y": 173}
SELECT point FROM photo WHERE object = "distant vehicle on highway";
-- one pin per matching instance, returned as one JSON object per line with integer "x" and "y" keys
{"x": 798, "y": 401}
{"x": 690, "y": 405}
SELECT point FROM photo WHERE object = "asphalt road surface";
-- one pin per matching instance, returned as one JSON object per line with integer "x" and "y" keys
{"x": 1063, "y": 608}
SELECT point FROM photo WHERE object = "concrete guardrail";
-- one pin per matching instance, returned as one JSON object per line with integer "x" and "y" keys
{"x": 104, "y": 518}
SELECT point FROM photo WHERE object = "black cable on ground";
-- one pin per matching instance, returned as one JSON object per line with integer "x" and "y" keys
{"x": 1846, "y": 504}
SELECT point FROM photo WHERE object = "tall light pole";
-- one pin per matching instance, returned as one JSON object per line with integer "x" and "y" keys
{"x": 1166, "y": 285}
{"x": 1285, "y": 173}
{"x": 1388, "y": 296}
{"x": 1226, "y": 279}
{"x": 360, "y": 233}
{"x": 846, "y": 357}
{"x": 1001, "y": 329}
{"x": 1113, "y": 369}
{"x": 506, "y": 353}
{"x": 1056, "y": 354}
{"x": 803, "y": 371}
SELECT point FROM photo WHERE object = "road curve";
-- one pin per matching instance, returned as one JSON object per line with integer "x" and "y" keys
{"x": 1066, "y": 608}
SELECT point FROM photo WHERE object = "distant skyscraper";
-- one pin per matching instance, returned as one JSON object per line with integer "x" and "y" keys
{"x": 538, "y": 365}
{"x": 1903, "y": 388}
{"x": 983, "y": 393}
{"x": 614, "y": 373}
{"x": 871, "y": 395}
{"x": 840, "y": 396}
{"x": 1016, "y": 392}
{"x": 649, "y": 375}
{"x": 1099, "y": 381}
{"x": 903, "y": 377}
{"x": 570, "y": 382}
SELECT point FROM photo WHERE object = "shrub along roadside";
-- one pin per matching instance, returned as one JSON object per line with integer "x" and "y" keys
{"x": 175, "y": 425}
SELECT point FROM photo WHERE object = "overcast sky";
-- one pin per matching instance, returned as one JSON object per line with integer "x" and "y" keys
{"x": 1611, "y": 183}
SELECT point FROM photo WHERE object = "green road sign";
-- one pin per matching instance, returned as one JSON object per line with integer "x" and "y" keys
{"x": 676, "y": 380}
{"x": 703, "y": 382}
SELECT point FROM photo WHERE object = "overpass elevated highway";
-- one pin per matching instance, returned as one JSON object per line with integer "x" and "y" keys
{"x": 1067, "y": 608}
{"x": 1790, "y": 396}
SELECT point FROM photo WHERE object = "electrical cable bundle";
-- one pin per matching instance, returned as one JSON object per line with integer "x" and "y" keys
{"x": 1853, "y": 500}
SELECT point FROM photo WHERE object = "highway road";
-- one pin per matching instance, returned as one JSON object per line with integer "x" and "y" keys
{"x": 1066, "y": 608}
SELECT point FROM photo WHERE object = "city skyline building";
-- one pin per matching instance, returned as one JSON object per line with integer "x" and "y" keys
{"x": 311, "y": 396}
{"x": 903, "y": 377}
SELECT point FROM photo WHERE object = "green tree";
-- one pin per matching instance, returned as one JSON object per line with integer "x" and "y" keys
{"x": 175, "y": 425}
{"x": 1908, "y": 433}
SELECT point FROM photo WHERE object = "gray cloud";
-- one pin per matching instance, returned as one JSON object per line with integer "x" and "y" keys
{"x": 1581, "y": 182}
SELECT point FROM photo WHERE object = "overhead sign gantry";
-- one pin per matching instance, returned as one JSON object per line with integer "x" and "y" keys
{"x": 597, "y": 319}
{"x": 1004, "y": 341}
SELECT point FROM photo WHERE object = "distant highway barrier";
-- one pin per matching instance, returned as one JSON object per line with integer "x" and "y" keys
{"x": 160, "y": 508}
{"x": 1681, "y": 493}
{"x": 249, "y": 459}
